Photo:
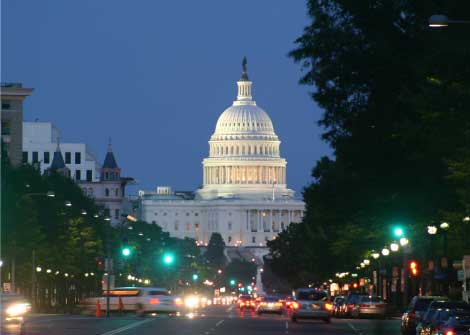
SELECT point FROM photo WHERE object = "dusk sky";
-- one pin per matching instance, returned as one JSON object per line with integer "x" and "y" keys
{"x": 155, "y": 76}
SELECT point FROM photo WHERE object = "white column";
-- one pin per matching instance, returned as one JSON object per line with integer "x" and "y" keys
{"x": 270, "y": 220}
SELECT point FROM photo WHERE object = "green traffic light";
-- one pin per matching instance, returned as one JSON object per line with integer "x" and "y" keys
{"x": 232, "y": 282}
{"x": 398, "y": 231}
{"x": 195, "y": 277}
{"x": 126, "y": 251}
{"x": 168, "y": 259}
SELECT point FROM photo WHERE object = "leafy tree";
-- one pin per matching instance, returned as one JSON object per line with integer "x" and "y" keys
{"x": 240, "y": 271}
{"x": 395, "y": 96}
{"x": 215, "y": 251}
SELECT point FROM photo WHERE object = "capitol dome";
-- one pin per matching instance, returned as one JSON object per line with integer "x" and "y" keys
{"x": 244, "y": 157}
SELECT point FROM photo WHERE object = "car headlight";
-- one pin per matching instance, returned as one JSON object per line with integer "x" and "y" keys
{"x": 18, "y": 309}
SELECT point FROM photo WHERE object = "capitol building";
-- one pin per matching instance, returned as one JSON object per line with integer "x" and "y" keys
{"x": 244, "y": 195}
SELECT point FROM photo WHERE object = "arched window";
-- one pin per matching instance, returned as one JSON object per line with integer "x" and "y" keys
{"x": 238, "y": 150}
{"x": 226, "y": 150}
{"x": 243, "y": 150}
{"x": 106, "y": 192}
{"x": 231, "y": 150}
{"x": 249, "y": 150}
{"x": 256, "y": 150}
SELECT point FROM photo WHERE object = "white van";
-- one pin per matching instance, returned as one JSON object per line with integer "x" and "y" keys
{"x": 137, "y": 299}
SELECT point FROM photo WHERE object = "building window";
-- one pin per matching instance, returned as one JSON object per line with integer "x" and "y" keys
{"x": 35, "y": 157}
{"x": 230, "y": 226}
{"x": 229, "y": 239}
{"x": 78, "y": 158}
{"x": 116, "y": 192}
{"x": 106, "y": 192}
{"x": 68, "y": 157}
{"x": 187, "y": 227}
{"x": 177, "y": 226}
{"x": 253, "y": 239}
{"x": 116, "y": 214}
{"x": 89, "y": 175}
{"x": 78, "y": 175}
{"x": 196, "y": 226}
{"x": 47, "y": 157}
{"x": 106, "y": 212}
{"x": 6, "y": 104}
{"x": 164, "y": 214}
{"x": 154, "y": 222}
{"x": 196, "y": 214}
{"x": 6, "y": 128}
{"x": 25, "y": 157}
{"x": 187, "y": 214}
{"x": 156, "y": 214}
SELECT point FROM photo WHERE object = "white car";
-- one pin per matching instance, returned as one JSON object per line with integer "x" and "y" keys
{"x": 138, "y": 299}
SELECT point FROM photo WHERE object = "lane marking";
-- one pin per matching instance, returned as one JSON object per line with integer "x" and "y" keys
{"x": 127, "y": 327}
{"x": 354, "y": 328}
{"x": 287, "y": 326}
{"x": 219, "y": 323}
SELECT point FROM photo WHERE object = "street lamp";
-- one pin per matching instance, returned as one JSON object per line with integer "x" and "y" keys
{"x": 366, "y": 262}
{"x": 68, "y": 203}
{"x": 440, "y": 21}
{"x": 432, "y": 230}
{"x": 404, "y": 241}
{"x": 444, "y": 225}
{"x": 50, "y": 194}
{"x": 385, "y": 251}
{"x": 466, "y": 219}
{"x": 394, "y": 246}
{"x": 375, "y": 254}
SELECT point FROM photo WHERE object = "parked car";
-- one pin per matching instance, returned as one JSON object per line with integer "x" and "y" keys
{"x": 269, "y": 304}
{"x": 311, "y": 304}
{"x": 457, "y": 324}
{"x": 440, "y": 318}
{"x": 438, "y": 312}
{"x": 137, "y": 299}
{"x": 414, "y": 312}
{"x": 370, "y": 305}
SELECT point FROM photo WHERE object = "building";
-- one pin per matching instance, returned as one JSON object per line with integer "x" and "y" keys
{"x": 40, "y": 140}
{"x": 12, "y": 97}
{"x": 109, "y": 191}
{"x": 244, "y": 196}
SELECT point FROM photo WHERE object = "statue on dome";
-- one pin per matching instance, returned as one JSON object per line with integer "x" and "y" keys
{"x": 244, "y": 73}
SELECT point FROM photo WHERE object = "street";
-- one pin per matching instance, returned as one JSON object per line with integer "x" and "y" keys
{"x": 210, "y": 321}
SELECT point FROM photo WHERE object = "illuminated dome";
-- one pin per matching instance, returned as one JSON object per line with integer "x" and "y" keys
{"x": 244, "y": 158}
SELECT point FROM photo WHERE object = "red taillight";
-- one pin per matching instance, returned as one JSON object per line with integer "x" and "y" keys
{"x": 350, "y": 305}
{"x": 328, "y": 306}
{"x": 449, "y": 332}
{"x": 295, "y": 305}
{"x": 364, "y": 305}
{"x": 154, "y": 301}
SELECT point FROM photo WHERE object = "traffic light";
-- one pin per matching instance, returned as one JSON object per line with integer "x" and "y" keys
{"x": 240, "y": 284}
{"x": 168, "y": 259}
{"x": 398, "y": 231}
{"x": 232, "y": 282}
{"x": 414, "y": 268}
{"x": 126, "y": 251}
{"x": 195, "y": 277}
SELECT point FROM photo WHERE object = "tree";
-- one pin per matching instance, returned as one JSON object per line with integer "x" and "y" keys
{"x": 215, "y": 251}
{"x": 395, "y": 96}
{"x": 240, "y": 271}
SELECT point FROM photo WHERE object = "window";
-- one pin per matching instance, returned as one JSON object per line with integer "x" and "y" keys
{"x": 187, "y": 227}
{"x": 89, "y": 175}
{"x": 6, "y": 130}
{"x": 78, "y": 158}
{"x": 116, "y": 214}
{"x": 187, "y": 214}
{"x": 196, "y": 214}
{"x": 154, "y": 222}
{"x": 25, "y": 157}
{"x": 78, "y": 175}
{"x": 177, "y": 226}
{"x": 196, "y": 226}
{"x": 116, "y": 192}
{"x": 106, "y": 192}
{"x": 229, "y": 239}
{"x": 230, "y": 226}
{"x": 35, "y": 157}
{"x": 68, "y": 157}
{"x": 253, "y": 239}
{"x": 47, "y": 157}
{"x": 6, "y": 105}
{"x": 106, "y": 212}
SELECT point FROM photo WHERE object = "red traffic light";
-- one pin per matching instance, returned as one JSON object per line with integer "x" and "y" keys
{"x": 414, "y": 268}
{"x": 240, "y": 284}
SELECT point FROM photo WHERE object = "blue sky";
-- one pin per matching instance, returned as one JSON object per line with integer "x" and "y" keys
{"x": 155, "y": 75}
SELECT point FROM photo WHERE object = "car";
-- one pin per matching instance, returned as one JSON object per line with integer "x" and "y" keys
{"x": 440, "y": 318}
{"x": 246, "y": 302}
{"x": 137, "y": 299}
{"x": 351, "y": 303}
{"x": 269, "y": 304}
{"x": 457, "y": 324}
{"x": 338, "y": 305}
{"x": 311, "y": 304}
{"x": 14, "y": 311}
{"x": 437, "y": 312}
{"x": 414, "y": 312}
{"x": 369, "y": 305}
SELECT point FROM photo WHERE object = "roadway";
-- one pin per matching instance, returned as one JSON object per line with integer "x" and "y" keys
{"x": 214, "y": 320}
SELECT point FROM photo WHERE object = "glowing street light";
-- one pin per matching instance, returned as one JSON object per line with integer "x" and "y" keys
{"x": 444, "y": 225}
{"x": 385, "y": 251}
{"x": 432, "y": 230}
{"x": 394, "y": 246}
{"x": 375, "y": 255}
{"x": 404, "y": 241}
{"x": 366, "y": 262}
{"x": 68, "y": 203}
{"x": 50, "y": 194}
